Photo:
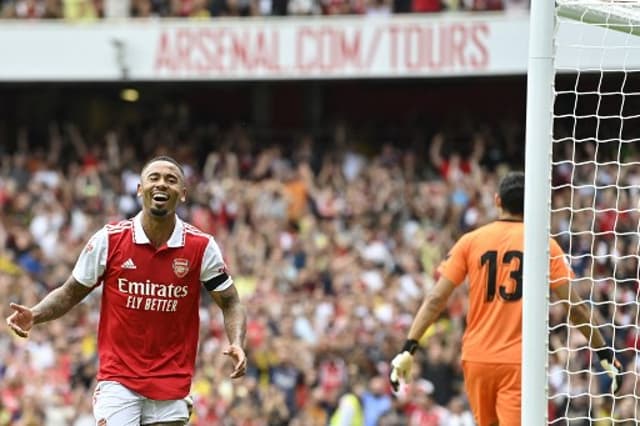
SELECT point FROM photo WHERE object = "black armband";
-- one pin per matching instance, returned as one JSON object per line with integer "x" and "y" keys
{"x": 215, "y": 281}
{"x": 410, "y": 346}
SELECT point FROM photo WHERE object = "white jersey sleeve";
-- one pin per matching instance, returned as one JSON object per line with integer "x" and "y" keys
{"x": 92, "y": 260}
{"x": 213, "y": 265}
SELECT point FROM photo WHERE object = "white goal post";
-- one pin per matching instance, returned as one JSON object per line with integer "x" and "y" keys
{"x": 582, "y": 174}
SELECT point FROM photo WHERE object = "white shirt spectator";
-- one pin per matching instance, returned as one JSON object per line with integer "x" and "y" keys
{"x": 130, "y": 181}
{"x": 50, "y": 178}
{"x": 41, "y": 355}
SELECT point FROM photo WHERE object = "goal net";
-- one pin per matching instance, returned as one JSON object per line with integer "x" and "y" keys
{"x": 595, "y": 195}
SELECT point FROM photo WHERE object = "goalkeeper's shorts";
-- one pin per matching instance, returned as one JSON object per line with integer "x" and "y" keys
{"x": 114, "y": 404}
{"x": 494, "y": 392}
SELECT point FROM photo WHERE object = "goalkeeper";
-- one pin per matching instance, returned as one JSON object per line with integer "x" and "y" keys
{"x": 491, "y": 258}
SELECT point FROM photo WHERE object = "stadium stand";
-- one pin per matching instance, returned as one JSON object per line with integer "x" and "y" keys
{"x": 89, "y": 10}
{"x": 331, "y": 239}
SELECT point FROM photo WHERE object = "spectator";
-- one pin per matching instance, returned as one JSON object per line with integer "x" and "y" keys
{"x": 375, "y": 400}
{"x": 79, "y": 10}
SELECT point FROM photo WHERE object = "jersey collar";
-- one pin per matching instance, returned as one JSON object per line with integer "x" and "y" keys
{"x": 175, "y": 240}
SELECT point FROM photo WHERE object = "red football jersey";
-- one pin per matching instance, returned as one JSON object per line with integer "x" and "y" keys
{"x": 149, "y": 317}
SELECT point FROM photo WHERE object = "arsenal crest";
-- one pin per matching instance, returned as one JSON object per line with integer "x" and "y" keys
{"x": 180, "y": 267}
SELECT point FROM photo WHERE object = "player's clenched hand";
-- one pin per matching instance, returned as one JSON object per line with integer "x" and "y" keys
{"x": 21, "y": 320}
{"x": 239, "y": 360}
{"x": 612, "y": 366}
{"x": 400, "y": 369}
{"x": 401, "y": 364}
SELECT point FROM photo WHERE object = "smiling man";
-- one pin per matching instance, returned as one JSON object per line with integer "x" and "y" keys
{"x": 151, "y": 268}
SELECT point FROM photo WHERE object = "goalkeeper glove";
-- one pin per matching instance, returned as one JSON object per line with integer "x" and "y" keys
{"x": 612, "y": 366}
{"x": 401, "y": 364}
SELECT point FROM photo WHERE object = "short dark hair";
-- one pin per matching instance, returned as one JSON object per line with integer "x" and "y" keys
{"x": 163, "y": 158}
{"x": 511, "y": 192}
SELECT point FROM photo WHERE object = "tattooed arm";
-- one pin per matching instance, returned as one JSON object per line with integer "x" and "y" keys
{"x": 54, "y": 305}
{"x": 235, "y": 323}
{"x": 235, "y": 320}
{"x": 60, "y": 301}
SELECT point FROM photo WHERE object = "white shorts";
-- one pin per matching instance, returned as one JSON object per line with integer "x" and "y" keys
{"x": 114, "y": 404}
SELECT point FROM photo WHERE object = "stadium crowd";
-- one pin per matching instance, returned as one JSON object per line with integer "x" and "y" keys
{"x": 204, "y": 9}
{"x": 331, "y": 244}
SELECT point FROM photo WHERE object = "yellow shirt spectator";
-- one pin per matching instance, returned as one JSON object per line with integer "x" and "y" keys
{"x": 79, "y": 10}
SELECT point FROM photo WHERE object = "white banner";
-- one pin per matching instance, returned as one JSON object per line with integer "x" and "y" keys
{"x": 256, "y": 49}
